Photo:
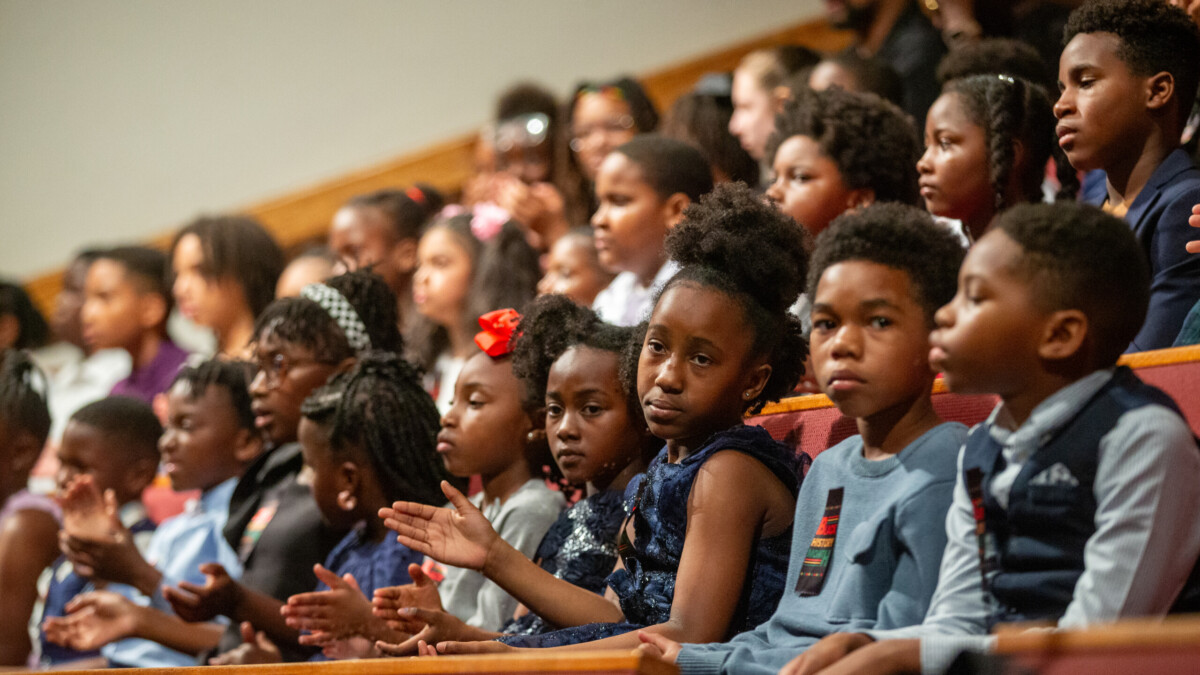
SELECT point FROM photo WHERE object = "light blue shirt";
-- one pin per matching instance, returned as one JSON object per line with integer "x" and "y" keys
{"x": 177, "y": 549}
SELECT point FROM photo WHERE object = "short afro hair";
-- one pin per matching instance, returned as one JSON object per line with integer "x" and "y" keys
{"x": 129, "y": 426}
{"x": 1154, "y": 37}
{"x": 231, "y": 376}
{"x": 873, "y": 142}
{"x": 734, "y": 242}
{"x": 994, "y": 56}
{"x": 552, "y": 325}
{"x": 147, "y": 267}
{"x": 669, "y": 166}
{"x": 898, "y": 236}
{"x": 1078, "y": 257}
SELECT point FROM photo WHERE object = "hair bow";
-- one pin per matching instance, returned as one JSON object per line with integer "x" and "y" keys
{"x": 498, "y": 330}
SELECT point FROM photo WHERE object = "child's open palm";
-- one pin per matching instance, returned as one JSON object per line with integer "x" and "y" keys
{"x": 461, "y": 536}
{"x": 93, "y": 620}
{"x": 389, "y": 601}
{"x": 87, "y": 514}
{"x": 341, "y": 612}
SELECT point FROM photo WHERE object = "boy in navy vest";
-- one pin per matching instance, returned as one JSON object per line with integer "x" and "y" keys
{"x": 1076, "y": 499}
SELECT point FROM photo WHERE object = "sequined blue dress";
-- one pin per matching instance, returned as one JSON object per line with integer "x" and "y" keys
{"x": 657, "y": 501}
{"x": 581, "y": 547}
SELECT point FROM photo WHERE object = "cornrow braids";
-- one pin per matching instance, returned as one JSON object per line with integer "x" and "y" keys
{"x": 379, "y": 408}
{"x": 23, "y": 395}
{"x": 1010, "y": 110}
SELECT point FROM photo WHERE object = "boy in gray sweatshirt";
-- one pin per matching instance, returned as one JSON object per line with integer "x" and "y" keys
{"x": 868, "y": 527}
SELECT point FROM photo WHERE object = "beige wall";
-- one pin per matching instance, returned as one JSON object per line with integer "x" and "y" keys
{"x": 123, "y": 118}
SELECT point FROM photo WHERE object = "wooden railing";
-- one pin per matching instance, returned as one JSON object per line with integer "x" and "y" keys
{"x": 549, "y": 663}
{"x": 1169, "y": 646}
{"x": 305, "y": 214}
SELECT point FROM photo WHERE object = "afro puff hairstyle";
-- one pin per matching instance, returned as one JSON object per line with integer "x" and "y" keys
{"x": 873, "y": 142}
{"x": 552, "y": 325}
{"x": 733, "y": 242}
{"x": 1078, "y": 257}
{"x": 1154, "y": 37}
{"x": 901, "y": 237}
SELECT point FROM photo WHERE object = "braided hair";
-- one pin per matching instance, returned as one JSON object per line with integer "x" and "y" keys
{"x": 735, "y": 243}
{"x": 1010, "y": 110}
{"x": 232, "y": 376}
{"x": 379, "y": 408}
{"x": 23, "y": 396}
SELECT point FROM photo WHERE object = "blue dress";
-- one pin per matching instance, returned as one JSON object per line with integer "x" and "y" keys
{"x": 581, "y": 548}
{"x": 657, "y": 503}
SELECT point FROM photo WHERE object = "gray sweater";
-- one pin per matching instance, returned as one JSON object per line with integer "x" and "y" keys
{"x": 885, "y": 558}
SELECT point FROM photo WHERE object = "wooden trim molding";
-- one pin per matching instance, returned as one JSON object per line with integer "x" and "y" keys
{"x": 304, "y": 214}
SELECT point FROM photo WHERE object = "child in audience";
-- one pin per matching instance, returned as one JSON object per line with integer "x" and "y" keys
{"x": 759, "y": 93}
{"x": 987, "y": 141}
{"x": 492, "y": 431}
{"x": 28, "y": 522}
{"x": 602, "y": 116}
{"x": 573, "y": 268}
{"x": 467, "y": 265}
{"x": 852, "y": 71}
{"x": 209, "y": 438}
{"x": 643, "y": 188}
{"x": 880, "y": 497}
{"x": 224, "y": 271}
{"x": 274, "y": 524}
{"x": 368, "y": 439}
{"x": 701, "y": 117}
{"x": 109, "y": 446}
{"x": 126, "y": 305}
{"x": 568, "y": 361}
{"x": 704, "y": 552}
{"x": 22, "y": 326}
{"x": 380, "y": 231}
{"x": 994, "y": 56}
{"x": 1128, "y": 77}
{"x": 833, "y": 151}
{"x": 312, "y": 266}
{"x": 1075, "y": 500}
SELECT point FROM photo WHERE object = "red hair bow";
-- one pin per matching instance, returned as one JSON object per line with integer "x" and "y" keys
{"x": 498, "y": 330}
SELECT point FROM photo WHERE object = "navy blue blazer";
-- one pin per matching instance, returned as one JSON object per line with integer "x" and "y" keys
{"x": 1159, "y": 218}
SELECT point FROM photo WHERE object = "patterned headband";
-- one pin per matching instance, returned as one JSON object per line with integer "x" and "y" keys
{"x": 342, "y": 312}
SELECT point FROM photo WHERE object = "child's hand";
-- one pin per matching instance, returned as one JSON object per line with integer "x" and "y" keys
{"x": 431, "y": 627}
{"x": 86, "y": 514}
{"x": 461, "y": 536}
{"x": 1194, "y": 220}
{"x": 341, "y": 612}
{"x": 658, "y": 646}
{"x": 256, "y": 647}
{"x": 826, "y": 652}
{"x": 483, "y": 647}
{"x": 93, "y": 620}
{"x": 389, "y": 601}
{"x": 219, "y": 596}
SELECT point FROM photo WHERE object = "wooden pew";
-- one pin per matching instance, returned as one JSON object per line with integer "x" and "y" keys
{"x": 550, "y": 663}
{"x": 1169, "y": 646}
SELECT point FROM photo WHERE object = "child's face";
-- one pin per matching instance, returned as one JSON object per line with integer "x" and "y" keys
{"x": 300, "y": 273}
{"x": 1101, "y": 103}
{"x": 208, "y": 302}
{"x": 753, "y": 117}
{"x": 443, "y": 277}
{"x": 327, "y": 483}
{"x": 955, "y": 176}
{"x": 572, "y": 270}
{"x": 287, "y": 374}
{"x": 599, "y": 125}
{"x": 86, "y": 451}
{"x": 67, "y": 320}
{"x": 484, "y": 430}
{"x": 808, "y": 185}
{"x": 362, "y": 237}
{"x": 987, "y": 338}
{"x": 588, "y": 425}
{"x": 694, "y": 366}
{"x": 202, "y": 440}
{"x": 870, "y": 339}
{"x": 116, "y": 313}
{"x": 631, "y": 222}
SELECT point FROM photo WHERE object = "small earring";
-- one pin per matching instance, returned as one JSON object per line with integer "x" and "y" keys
{"x": 346, "y": 500}
{"x": 530, "y": 436}
{"x": 747, "y": 394}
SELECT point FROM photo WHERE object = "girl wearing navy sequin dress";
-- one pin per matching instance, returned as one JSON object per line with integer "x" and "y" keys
{"x": 569, "y": 362}
{"x": 719, "y": 343}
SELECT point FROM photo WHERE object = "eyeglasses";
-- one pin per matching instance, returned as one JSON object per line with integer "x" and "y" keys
{"x": 581, "y": 135}
{"x": 276, "y": 367}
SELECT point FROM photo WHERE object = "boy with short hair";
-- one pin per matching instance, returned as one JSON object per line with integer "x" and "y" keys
{"x": 1128, "y": 76}
{"x": 208, "y": 440}
{"x": 126, "y": 306}
{"x": 111, "y": 445}
{"x": 867, "y": 536}
{"x": 1078, "y": 492}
